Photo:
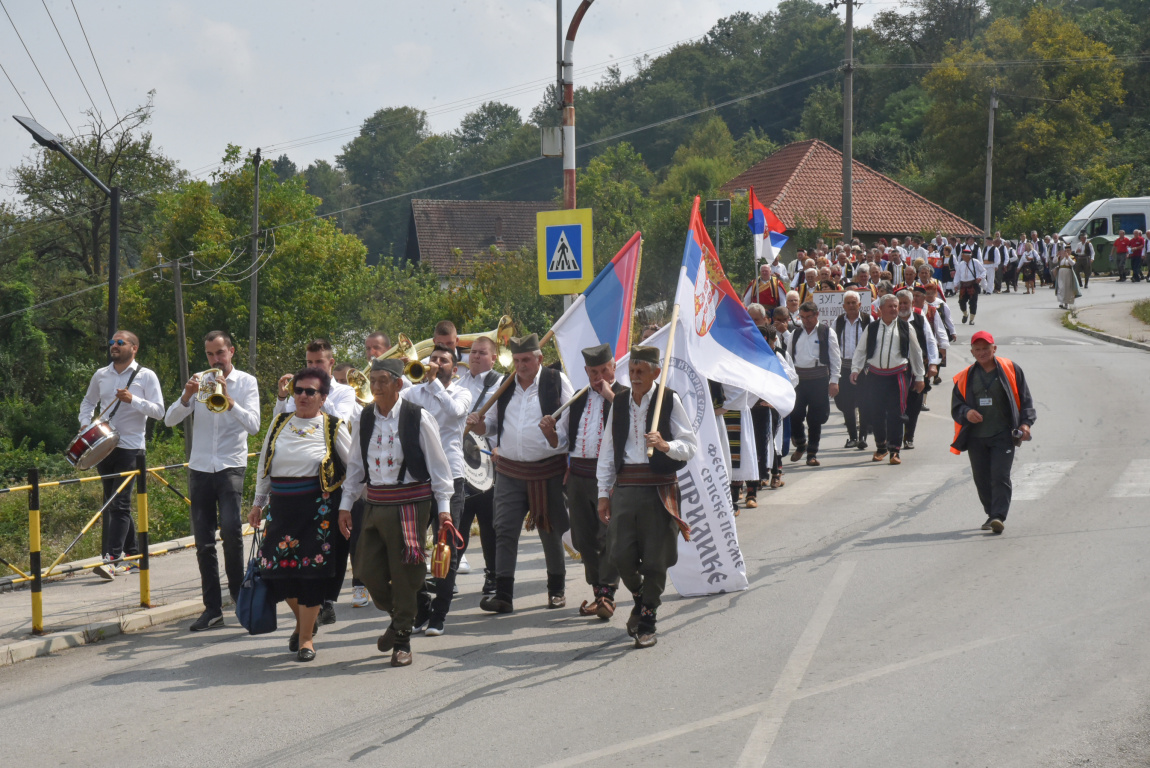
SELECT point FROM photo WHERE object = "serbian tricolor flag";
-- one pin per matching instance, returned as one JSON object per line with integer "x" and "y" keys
{"x": 766, "y": 229}
{"x": 602, "y": 313}
{"x": 724, "y": 342}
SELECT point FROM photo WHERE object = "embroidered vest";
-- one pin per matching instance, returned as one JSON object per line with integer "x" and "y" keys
{"x": 414, "y": 462}
{"x": 621, "y": 426}
{"x": 331, "y": 468}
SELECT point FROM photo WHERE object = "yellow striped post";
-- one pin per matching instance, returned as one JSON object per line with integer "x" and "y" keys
{"x": 34, "y": 550}
{"x": 142, "y": 529}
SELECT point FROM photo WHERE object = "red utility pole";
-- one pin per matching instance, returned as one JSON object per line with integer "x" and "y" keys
{"x": 568, "y": 85}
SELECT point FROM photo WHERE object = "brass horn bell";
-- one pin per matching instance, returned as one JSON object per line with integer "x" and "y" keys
{"x": 210, "y": 394}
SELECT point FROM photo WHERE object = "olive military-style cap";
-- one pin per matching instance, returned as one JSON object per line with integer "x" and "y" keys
{"x": 529, "y": 343}
{"x": 392, "y": 365}
{"x": 646, "y": 355}
{"x": 595, "y": 356}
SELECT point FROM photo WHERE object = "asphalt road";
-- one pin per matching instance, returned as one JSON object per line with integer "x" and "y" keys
{"x": 881, "y": 628}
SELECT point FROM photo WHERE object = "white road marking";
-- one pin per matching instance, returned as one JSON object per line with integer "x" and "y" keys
{"x": 812, "y": 483}
{"x": 763, "y": 735}
{"x": 1035, "y": 479}
{"x": 915, "y": 480}
{"x": 1134, "y": 482}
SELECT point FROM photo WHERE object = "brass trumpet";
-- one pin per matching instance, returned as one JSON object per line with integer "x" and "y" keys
{"x": 209, "y": 393}
{"x": 414, "y": 370}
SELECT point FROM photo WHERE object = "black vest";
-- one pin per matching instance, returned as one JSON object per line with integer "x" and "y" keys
{"x": 841, "y": 326}
{"x": 575, "y": 413}
{"x": 621, "y": 426}
{"x": 903, "y": 338}
{"x": 919, "y": 323}
{"x": 824, "y": 332}
{"x": 414, "y": 462}
{"x": 550, "y": 390}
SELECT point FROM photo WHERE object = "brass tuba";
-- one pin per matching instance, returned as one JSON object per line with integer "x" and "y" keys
{"x": 501, "y": 335}
{"x": 210, "y": 394}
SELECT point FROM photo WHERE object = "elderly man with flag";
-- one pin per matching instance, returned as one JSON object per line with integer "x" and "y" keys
{"x": 768, "y": 288}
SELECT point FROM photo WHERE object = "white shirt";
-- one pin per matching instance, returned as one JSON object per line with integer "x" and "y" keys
{"x": 681, "y": 447}
{"x": 131, "y": 418}
{"x": 887, "y": 351}
{"x": 852, "y": 332}
{"x": 804, "y": 349}
{"x": 474, "y": 385}
{"x": 340, "y": 403}
{"x": 780, "y": 270}
{"x": 449, "y": 407}
{"x": 917, "y": 252}
{"x": 220, "y": 440}
{"x": 522, "y": 438}
{"x": 297, "y": 455}
{"x": 385, "y": 456}
{"x": 591, "y": 427}
{"x": 965, "y": 271}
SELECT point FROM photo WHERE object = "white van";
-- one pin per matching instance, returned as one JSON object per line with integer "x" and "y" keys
{"x": 1106, "y": 217}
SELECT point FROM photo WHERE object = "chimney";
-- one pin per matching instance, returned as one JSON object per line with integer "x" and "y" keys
{"x": 499, "y": 230}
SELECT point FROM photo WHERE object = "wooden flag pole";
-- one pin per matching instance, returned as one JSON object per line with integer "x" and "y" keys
{"x": 567, "y": 404}
{"x": 507, "y": 381}
{"x": 663, "y": 375}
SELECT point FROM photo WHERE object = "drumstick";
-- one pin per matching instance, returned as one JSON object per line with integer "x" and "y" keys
{"x": 567, "y": 404}
{"x": 504, "y": 385}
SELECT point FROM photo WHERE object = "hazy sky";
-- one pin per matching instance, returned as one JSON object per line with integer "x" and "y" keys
{"x": 277, "y": 74}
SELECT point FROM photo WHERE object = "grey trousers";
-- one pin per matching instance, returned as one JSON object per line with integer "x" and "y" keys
{"x": 588, "y": 533}
{"x": 642, "y": 541}
{"x": 510, "y": 511}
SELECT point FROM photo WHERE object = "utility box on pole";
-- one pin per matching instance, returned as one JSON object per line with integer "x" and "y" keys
{"x": 552, "y": 142}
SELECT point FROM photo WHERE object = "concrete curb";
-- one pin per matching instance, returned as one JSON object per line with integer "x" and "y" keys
{"x": 94, "y": 633}
{"x": 1107, "y": 337}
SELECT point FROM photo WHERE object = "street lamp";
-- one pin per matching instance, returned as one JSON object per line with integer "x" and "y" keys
{"x": 46, "y": 138}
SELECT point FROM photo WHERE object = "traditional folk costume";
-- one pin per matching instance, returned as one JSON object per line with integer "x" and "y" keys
{"x": 968, "y": 277}
{"x": 642, "y": 538}
{"x": 587, "y": 423}
{"x": 769, "y": 293}
{"x": 303, "y": 555}
{"x": 737, "y": 425}
{"x": 927, "y": 338}
{"x": 529, "y": 478}
{"x": 478, "y": 505}
{"x": 397, "y": 463}
{"x": 849, "y": 400}
{"x": 1066, "y": 282}
{"x": 813, "y": 354}
{"x": 890, "y": 350}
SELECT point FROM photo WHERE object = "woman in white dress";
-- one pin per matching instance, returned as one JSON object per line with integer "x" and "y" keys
{"x": 1065, "y": 281}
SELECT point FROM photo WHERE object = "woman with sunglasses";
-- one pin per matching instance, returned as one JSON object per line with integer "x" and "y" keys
{"x": 300, "y": 471}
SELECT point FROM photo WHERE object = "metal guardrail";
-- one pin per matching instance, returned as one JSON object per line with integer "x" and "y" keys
{"x": 36, "y": 575}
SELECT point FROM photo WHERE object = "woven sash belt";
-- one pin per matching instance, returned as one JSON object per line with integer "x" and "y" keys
{"x": 536, "y": 473}
{"x": 405, "y": 497}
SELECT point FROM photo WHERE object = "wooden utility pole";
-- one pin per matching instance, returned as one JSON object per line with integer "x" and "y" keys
{"x": 848, "y": 122}
{"x": 989, "y": 163}
{"x": 182, "y": 347}
{"x": 253, "y": 311}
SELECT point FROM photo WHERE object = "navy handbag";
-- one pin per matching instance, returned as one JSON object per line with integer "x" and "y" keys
{"x": 255, "y": 607}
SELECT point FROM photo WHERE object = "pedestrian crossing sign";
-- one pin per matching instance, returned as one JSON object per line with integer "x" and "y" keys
{"x": 566, "y": 261}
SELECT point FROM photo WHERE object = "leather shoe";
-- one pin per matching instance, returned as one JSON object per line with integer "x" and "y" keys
{"x": 908, "y": 445}
{"x": 556, "y": 601}
{"x": 305, "y": 654}
{"x": 986, "y": 525}
{"x": 752, "y": 502}
{"x": 493, "y": 604}
{"x": 387, "y": 640}
{"x": 851, "y": 443}
{"x": 878, "y": 456}
{"x": 996, "y": 525}
{"x": 400, "y": 658}
{"x": 606, "y": 608}
{"x": 645, "y": 639}
{"x": 798, "y": 454}
{"x": 813, "y": 462}
{"x": 862, "y": 446}
{"x": 293, "y": 642}
{"x": 777, "y": 482}
{"x": 633, "y": 625}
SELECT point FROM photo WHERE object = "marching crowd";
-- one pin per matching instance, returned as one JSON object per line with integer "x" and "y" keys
{"x": 343, "y": 476}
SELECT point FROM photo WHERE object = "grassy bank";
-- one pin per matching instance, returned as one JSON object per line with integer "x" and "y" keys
{"x": 1141, "y": 310}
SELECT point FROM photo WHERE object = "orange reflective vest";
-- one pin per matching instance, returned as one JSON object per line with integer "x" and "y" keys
{"x": 960, "y": 382}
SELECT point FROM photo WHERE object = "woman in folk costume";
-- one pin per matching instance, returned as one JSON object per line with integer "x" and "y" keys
{"x": 1065, "y": 281}
{"x": 733, "y": 409}
{"x": 300, "y": 471}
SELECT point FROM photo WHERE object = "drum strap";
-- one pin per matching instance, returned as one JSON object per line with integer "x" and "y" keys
{"x": 488, "y": 380}
{"x": 116, "y": 407}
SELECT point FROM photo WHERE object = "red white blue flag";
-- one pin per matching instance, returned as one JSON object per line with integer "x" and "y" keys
{"x": 766, "y": 228}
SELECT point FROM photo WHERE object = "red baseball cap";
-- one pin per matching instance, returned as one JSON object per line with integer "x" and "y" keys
{"x": 982, "y": 336}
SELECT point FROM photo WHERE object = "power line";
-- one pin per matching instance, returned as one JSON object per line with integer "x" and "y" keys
{"x": 38, "y": 72}
{"x": 17, "y": 90}
{"x": 98, "y": 71}
{"x": 73, "y": 61}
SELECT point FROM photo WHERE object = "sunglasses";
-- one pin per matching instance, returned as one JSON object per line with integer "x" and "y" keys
{"x": 117, "y": 343}
{"x": 309, "y": 391}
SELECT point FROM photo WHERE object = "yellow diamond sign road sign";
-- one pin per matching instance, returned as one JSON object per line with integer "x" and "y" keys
{"x": 566, "y": 261}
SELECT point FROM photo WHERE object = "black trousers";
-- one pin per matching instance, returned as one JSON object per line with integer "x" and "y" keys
{"x": 972, "y": 300}
{"x": 849, "y": 400}
{"x": 480, "y": 507}
{"x": 914, "y": 403}
{"x": 882, "y": 396}
{"x": 216, "y": 499}
{"x": 356, "y": 524}
{"x": 759, "y": 426}
{"x": 117, "y": 529}
{"x": 991, "y": 459}
{"x": 1136, "y": 268}
{"x": 812, "y": 409}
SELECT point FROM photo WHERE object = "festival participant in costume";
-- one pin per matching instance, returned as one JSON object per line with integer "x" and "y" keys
{"x": 935, "y": 300}
{"x": 849, "y": 329}
{"x": 1067, "y": 289}
{"x": 300, "y": 472}
{"x": 1030, "y": 261}
{"x": 639, "y": 495}
{"x": 129, "y": 394}
{"x": 815, "y": 352}
{"x": 891, "y": 349}
{"x": 478, "y": 506}
{"x": 993, "y": 413}
{"x": 529, "y": 469}
{"x": 587, "y": 424}
{"x": 927, "y": 342}
{"x": 216, "y": 469}
{"x": 767, "y": 289}
{"x": 735, "y": 424}
{"x": 811, "y": 284}
{"x": 969, "y": 274}
{"x": 448, "y": 403}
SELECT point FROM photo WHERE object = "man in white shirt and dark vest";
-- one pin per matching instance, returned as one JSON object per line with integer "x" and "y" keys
{"x": 639, "y": 494}
{"x": 397, "y": 463}
{"x": 815, "y": 353}
{"x": 448, "y": 403}
{"x": 586, "y": 426}
{"x": 849, "y": 329}
{"x": 529, "y": 467}
{"x": 927, "y": 337}
{"x": 216, "y": 469}
{"x": 130, "y": 394}
{"x": 969, "y": 273}
{"x": 891, "y": 349}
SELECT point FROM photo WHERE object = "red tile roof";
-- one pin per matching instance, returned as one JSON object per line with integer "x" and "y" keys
{"x": 438, "y": 227}
{"x": 804, "y": 179}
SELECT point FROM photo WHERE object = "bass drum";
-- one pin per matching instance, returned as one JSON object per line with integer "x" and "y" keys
{"x": 94, "y": 442}
{"x": 478, "y": 469}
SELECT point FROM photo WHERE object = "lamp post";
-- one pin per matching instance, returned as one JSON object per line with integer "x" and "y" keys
{"x": 46, "y": 138}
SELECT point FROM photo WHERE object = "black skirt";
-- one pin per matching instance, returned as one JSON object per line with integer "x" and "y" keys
{"x": 303, "y": 555}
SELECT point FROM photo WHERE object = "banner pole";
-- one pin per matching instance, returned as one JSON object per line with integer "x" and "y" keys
{"x": 567, "y": 404}
{"x": 664, "y": 373}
